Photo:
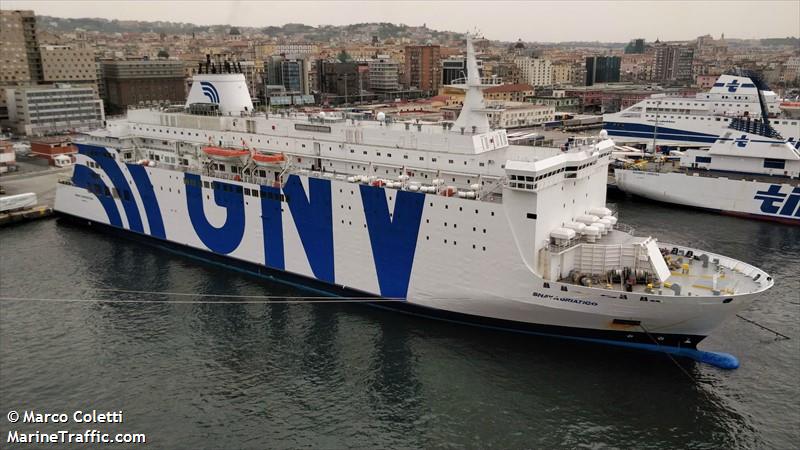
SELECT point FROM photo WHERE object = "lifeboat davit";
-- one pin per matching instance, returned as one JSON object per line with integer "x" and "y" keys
{"x": 226, "y": 154}
{"x": 266, "y": 160}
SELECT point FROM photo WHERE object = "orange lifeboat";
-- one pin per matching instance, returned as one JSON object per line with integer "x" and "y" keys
{"x": 265, "y": 160}
{"x": 225, "y": 154}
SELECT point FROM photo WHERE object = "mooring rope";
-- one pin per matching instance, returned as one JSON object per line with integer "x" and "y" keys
{"x": 658, "y": 344}
{"x": 780, "y": 335}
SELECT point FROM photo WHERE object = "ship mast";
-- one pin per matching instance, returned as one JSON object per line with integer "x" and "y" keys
{"x": 473, "y": 112}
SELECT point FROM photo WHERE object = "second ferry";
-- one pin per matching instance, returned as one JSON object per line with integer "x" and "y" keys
{"x": 700, "y": 121}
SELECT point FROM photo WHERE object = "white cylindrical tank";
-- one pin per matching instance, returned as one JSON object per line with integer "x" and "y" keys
{"x": 563, "y": 234}
{"x": 592, "y": 233}
{"x": 606, "y": 225}
{"x": 600, "y": 211}
{"x": 611, "y": 219}
{"x": 588, "y": 219}
{"x": 577, "y": 226}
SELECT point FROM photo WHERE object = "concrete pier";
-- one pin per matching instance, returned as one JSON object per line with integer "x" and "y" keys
{"x": 42, "y": 183}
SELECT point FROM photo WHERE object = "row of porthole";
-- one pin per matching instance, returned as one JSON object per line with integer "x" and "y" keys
{"x": 474, "y": 246}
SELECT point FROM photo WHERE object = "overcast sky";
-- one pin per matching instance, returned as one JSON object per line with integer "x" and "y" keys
{"x": 543, "y": 21}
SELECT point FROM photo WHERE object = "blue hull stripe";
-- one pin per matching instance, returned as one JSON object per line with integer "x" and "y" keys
{"x": 103, "y": 158}
{"x": 149, "y": 200}
{"x": 82, "y": 177}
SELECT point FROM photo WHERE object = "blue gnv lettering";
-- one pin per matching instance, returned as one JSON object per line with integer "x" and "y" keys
{"x": 226, "y": 238}
{"x": 772, "y": 199}
{"x": 313, "y": 218}
{"x": 272, "y": 227}
{"x": 393, "y": 237}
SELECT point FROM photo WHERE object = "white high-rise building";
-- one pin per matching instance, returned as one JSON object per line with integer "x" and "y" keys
{"x": 384, "y": 74}
{"x": 46, "y": 109}
{"x": 535, "y": 71}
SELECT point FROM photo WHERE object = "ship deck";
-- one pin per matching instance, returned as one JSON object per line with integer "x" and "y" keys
{"x": 696, "y": 279}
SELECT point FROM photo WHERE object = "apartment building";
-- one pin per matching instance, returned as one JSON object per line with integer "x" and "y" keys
{"x": 49, "y": 109}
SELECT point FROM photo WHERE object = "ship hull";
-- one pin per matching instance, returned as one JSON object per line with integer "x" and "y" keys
{"x": 443, "y": 257}
{"x": 633, "y": 335}
{"x": 741, "y": 198}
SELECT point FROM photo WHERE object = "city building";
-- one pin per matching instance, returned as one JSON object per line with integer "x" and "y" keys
{"x": 20, "y": 62}
{"x": 507, "y": 71}
{"x": 508, "y": 92}
{"x": 607, "y": 98}
{"x": 535, "y": 71}
{"x": 51, "y": 147}
{"x": 49, "y": 109}
{"x": 384, "y": 74}
{"x": 253, "y": 76}
{"x": 636, "y": 46}
{"x": 602, "y": 69}
{"x": 558, "y": 100}
{"x": 293, "y": 48}
{"x": 143, "y": 81}
{"x": 705, "y": 82}
{"x": 562, "y": 73}
{"x": 636, "y": 67}
{"x": 289, "y": 72}
{"x": 454, "y": 69}
{"x": 673, "y": 62}
{"x": 422, "y": 66}
{"x": 67, "y": 64}
{"x": 343, "y": 82}
{"x": 518, "y": 114}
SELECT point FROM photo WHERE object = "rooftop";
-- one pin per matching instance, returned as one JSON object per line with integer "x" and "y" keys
{"x": 521, "y": 87}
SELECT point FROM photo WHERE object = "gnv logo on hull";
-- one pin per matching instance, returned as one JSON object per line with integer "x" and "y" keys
{"x": 773, "y": 201}
{"x": 210, "y": 91}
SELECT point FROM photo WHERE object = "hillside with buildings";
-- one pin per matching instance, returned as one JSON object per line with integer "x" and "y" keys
{"x": 103, "y": 67}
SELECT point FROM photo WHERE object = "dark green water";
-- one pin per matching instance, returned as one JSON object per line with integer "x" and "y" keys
{"x": 277, "y": 376}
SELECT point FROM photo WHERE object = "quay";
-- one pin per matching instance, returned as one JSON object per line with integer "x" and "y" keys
{"x": 41, "y": 181}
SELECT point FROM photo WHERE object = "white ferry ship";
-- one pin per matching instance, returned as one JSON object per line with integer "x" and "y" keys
{"x": 449, "y": 220}
{"x": 700, "y": 121}
{"x": 750, "y": 171}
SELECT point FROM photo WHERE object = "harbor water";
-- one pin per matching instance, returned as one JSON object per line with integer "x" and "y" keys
{"x": 203, "y": 374}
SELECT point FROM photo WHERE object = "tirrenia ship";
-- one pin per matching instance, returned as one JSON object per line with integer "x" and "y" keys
{"x": 445, "y": 220}
{"x": 750, "y": 171}
{"x": 702, "y": 120}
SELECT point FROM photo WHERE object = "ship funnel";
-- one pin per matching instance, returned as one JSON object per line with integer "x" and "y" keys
{"x": 227, "y": 90}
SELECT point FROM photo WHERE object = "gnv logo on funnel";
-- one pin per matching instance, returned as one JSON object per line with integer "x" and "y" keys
{"x": 210, "y": 91}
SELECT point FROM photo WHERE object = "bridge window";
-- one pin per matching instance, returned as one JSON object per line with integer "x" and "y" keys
{"x": 702, "y": 159}
{"x": 770, "y": 163}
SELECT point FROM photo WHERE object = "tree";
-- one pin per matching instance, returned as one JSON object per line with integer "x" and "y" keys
{"x": 163, "y": 54}
{"x": 343, "y": 56}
